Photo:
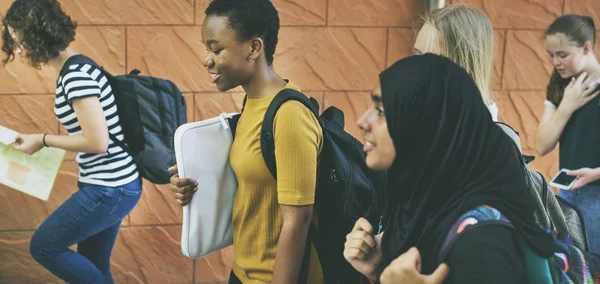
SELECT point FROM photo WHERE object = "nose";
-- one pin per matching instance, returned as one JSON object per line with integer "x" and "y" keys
{"x": 208, "y": 62}
{"x": 363, "y": 122}
{"x": 555, "y": 61}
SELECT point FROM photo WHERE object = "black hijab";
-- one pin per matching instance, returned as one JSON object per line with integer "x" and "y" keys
{"x": 450, "y": 158}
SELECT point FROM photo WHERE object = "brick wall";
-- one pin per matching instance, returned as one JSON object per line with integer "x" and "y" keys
{"x": 333, "y": 49}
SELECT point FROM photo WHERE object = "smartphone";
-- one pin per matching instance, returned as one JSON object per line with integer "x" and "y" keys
{"x": 562, "y": 180}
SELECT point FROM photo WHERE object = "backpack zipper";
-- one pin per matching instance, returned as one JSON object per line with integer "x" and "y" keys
{"x": 179, "y": 100}
{"x": 380, "y": 196}
{"x": 161, "y": 105}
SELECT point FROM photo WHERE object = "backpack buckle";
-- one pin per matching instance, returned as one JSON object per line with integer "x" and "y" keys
{"x": 333, "y": 176}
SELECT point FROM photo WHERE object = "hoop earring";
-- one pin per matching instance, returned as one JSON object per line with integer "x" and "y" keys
{"x": 250, "y": 58}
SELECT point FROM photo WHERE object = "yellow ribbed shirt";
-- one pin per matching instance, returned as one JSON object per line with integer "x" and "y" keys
{"x": 257, "y": 219}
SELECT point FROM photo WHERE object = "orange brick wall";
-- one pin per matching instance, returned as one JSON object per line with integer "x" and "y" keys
{"x": 332, "y": 49}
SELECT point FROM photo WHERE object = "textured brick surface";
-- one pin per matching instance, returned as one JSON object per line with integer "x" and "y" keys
{"x": 500, "y": 40}
{"x": 584, "y": 7}
{"x": 374, "y": 12}
{"x": 333, "y": 50}
{"x": 528, "y": 14}
{"x": 140, "y": 255}
{"x": 106, "y": 45}
{"x": 523, "y": 111}
{"x": 130, "y": 12}
{"x": 291, "y": 12}
{"x": 28, "y": 113}
{"x": 17, "y": 265}
{"x": 322, "y": 59}
{"x": 214, "y": 268}
{"x": 211, "y": 105}
{"x": 150, "y": 254}
{"x": 354, "y": 104}
{"x": 526, "y": 63}
{"x": 19, "y": 211}
{"x": 157, "y": 206}
{"x": 400, "y": 44}
{"x": 174, "y": 53}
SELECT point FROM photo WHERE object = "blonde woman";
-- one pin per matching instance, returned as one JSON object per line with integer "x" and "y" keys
{"x": 464, "y": 35}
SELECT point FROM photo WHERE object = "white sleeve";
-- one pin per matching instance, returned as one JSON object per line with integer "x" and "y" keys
{"x": 549, "y": 103}
{"x": 493, "y": 109}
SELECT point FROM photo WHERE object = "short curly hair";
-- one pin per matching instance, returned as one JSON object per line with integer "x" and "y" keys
{"x": 250, "y": 18}
{"x": 44, "y": 29}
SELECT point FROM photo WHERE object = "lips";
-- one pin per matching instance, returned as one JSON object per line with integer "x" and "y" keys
{"x": 368, "y": 146}
{"x": 214, "y": 77}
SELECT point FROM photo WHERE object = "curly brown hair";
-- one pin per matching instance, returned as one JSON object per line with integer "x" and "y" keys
{"x": 43, "y": 28}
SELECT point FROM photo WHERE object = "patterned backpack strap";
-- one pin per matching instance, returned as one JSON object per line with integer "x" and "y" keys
{"x": 572, "y": 265}
{"x": 481, "y": 215}
{"x": 568, "y": 265}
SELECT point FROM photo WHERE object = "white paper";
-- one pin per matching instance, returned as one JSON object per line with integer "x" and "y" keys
{"x": 31, "y": 174}
{"x": 7, "y": 136}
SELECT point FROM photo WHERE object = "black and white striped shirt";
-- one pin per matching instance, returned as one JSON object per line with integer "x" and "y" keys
{"x": 115, "y": 167}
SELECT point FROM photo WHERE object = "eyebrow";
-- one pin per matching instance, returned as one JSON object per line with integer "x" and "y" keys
{"x": 558, "y": 52}
{"x": 211, "y": 41}
{"x": 376, "y": 98}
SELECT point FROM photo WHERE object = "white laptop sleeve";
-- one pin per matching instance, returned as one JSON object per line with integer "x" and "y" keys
{"x": 202, "y": 152}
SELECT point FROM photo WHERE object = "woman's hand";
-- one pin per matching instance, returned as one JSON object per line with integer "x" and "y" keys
{"x": 407, "y": 269}
{"x": 363, "y": 250}
{"x": 29, "y": 143}
{"x": 183, "y": 189}
{"x": 584, "y": 176}
{"x": 579, "y": 92}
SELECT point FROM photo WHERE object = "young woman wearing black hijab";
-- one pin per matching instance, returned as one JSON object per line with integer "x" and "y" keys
{"x": 445, "y": 156}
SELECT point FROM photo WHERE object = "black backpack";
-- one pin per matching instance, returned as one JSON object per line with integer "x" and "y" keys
{"x": 346, "y": 188}
{"x": 150, "y": 110}
{"x": 551, "y": 211}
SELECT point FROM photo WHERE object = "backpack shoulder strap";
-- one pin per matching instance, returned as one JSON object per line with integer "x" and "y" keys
{"x": 516, "y": 140}
{"x": 267, "y": 142}
{"x": 481, "y": 215}
{"x": 267, "y": 146}
{"x": 537, "y": 269}
{"x": 82, "y": 59}
{"x": 244, "y": 103}
{"x": 574, "y": 264}
{"x": 77, "y": 59}
{"x": 233, "y": 121}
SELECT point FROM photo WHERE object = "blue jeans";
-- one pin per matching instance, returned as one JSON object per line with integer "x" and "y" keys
{"x": 587, "y": 199}
{"x": 90, "y": 218}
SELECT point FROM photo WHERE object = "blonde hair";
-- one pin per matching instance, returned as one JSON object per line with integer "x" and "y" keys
{"x": 466, "y": 37}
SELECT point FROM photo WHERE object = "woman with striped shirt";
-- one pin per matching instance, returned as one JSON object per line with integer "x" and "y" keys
{"x": 109, "y": 183}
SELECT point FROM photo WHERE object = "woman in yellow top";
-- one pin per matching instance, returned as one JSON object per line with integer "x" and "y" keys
{"x": 271, "y": 217}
